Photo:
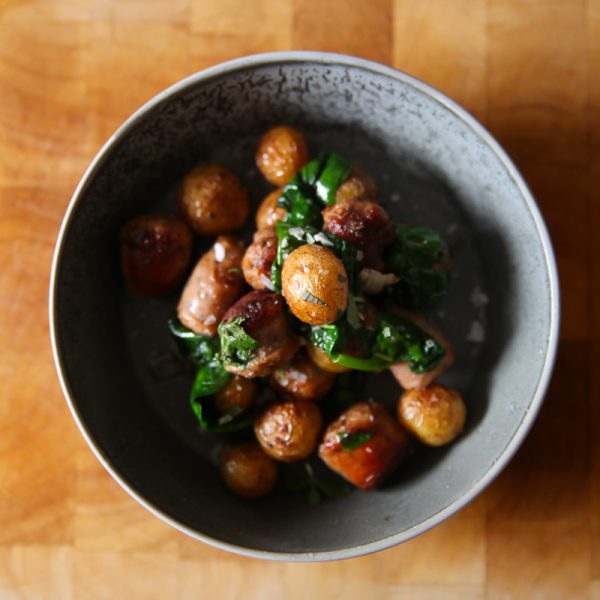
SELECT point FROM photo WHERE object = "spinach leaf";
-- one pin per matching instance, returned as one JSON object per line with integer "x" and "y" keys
{"x": 316, "y": 487}
{"x": 351, "y": 440}
{"x": 196, "y": 347}
{"x": 395, "y": 340}
{"x": 334, "y": 171}
{"x": 209, "y": 379}
{"x": 237, "y": 347}
{"x": 418, "y": 257}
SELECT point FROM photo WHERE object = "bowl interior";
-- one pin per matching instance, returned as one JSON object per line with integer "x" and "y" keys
{"x": 433, "y": 169}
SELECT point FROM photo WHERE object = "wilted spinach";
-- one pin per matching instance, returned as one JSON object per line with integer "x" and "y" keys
{"x": 418, "y": 257}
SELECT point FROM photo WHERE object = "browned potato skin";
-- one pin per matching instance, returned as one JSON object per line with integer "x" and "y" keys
{"x": 213, "y": 201}
{"x": 265, "y": 321}
{"x": 268, "y": 213}
{"x": 155, "y": 253}
{"x": 248, "y": 471}
{"x": 238, "y": 395}
{"x": 259, "y": 258}
{"x": 289, "y": 431}
{"x": 358, "y": 186}
{"x": 281, "y": 152}
{"x": 320, "y": 358}
{"x": 401, "y": 371}
{"x": 302, "y": 379}
{"x": 212, "y": 287}
{"x": 367, "y": 465}
{"x": 363, "y": 224}
{"x": 315, "y": 270}
{"x": 436, "y": 416}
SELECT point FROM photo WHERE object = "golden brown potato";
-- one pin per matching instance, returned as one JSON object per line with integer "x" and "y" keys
{"x": 320, "y": 358}
{"x": 264, "y": 319}
{"x": 281, "y": 152}
{"x": 314, "y": 283}
{"x": 259, "y": 258}
{"x": 155, "y": 253}
{"x": 214, "y": 285}
{"x": 248, "y": 471}
{"x": 288, "y": 431}
{"x": 302, "y": 379}
{"x": 401, "y": 371}
{"x": 237, "y": 397}
{"x": 364, "y": 445}
{"x": 365, "y": 225}
{"x": 435, "y": 415}
{"x": 359, "y": 185}
{"x": 268, "y": 213}
{"x": 213, "y": 201}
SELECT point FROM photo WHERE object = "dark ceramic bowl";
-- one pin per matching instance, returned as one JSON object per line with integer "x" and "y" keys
{"x": 436, "y": 166}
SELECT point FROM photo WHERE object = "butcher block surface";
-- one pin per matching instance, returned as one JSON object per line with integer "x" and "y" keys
{"x": 72, "y": 70}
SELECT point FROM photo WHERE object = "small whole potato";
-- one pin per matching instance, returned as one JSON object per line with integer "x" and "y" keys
{"x": 268, "y": 213}
{"x": 237, "y": 396}
{"x": 301, "y": 378}
{"x": 248, "y": 471}
{"x": 213, "y": 201}
{"x": 314, "y": 283}
{"x": 258, "y": 259}
{"x": 289, "y": 430}
{"x": 155, "y": 253}
{"x": 435, "y": 415}
{"x": 281, "y": 152}
{"x": 320, "y": 358}
{"x": 359, "y": 185}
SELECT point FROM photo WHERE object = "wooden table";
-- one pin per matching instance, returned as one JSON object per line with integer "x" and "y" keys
{"x": 72, "y": 70}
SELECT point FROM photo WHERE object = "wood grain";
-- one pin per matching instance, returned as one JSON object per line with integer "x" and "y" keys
{"x": 72, "y": 70}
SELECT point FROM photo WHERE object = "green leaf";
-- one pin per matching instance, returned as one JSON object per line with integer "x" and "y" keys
{"x": 196, "y": 347}
{"x": 418, "y": 257}
{"x": 237, "y": 347}
{"x": 394, "y": 340}
{"x": 210, "y": 378}
{"x": 334, "y": 171}
{"x": 351, "y": 440}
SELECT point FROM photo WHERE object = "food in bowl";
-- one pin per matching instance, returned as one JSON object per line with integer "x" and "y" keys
{"x": 329, "y": 285}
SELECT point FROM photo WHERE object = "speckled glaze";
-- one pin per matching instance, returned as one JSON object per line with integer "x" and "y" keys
{"x": 436, "y": 166}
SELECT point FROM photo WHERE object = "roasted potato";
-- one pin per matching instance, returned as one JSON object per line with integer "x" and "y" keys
{"x": 259, "y": 258}
{"x": 155, "y": 253}
{"x": 435, "y": 415}
{"x": 302, "y": 379}
{"x": 401, "y": 371}
{"x": 268, "y": 213}
{"x": 320, "y": 358}
{"x": 364, "y": 445}
{"x": 213, "y": 201}
{"x": 281, "y": 152}
{"x": 314, "y": 283}
{"x": 214, "y": 285}
{"x": 365, "y": 225}
{"x": 359, "y": 185}
{"x": 289, "y": 431}
{"x": 264, "y": 320}
{"x": 248, "y": 471}
{"x": 237, "y": 397}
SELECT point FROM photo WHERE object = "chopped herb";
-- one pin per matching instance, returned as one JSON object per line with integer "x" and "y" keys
{"x": 308, "y": 297}
{"x": 234, "y": 270}
{"x": 237, "y": 347}
{"x": 316, "y": 487}
{"x": 350, "y": 441}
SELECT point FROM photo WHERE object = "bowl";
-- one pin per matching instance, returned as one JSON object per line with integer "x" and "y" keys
{"x": 436, "y": 166}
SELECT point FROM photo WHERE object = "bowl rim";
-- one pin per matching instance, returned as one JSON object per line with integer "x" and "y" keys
{"x": 334, "y": 59}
